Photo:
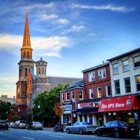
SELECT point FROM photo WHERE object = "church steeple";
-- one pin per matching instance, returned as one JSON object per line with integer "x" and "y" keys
{"x": 26, "y": 38}
{"x": 26, "y": 50}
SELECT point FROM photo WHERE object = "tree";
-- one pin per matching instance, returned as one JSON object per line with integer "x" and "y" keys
{"x": 59, "y": 110}
{"x": 4, "y": 110}
{"x": 44, "y": 103}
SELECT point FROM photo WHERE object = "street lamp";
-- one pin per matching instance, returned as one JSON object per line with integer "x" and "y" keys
{"x": 19, "y": 113}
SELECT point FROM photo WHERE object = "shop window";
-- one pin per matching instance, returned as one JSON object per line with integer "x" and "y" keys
{"x": 80, "y": 95}
{"x": 85, "y": 118}
{"x": 108, "y": 91}
{"x": 91, "y": 76}
{"x": 125, "y": 65}
{"x": 68, "y": 96}
{"x": 80, "y": 117}
{"x": 91, "y": 93}
{"x": 127, "y": 85}
{"x": 101, "y": 73}
{"x": 115, "y": 69}
{"x": 136, "y": 61}
{"x": 137, "y": 82}
{"x": 99, "y": 92}
{"x": 117, "y": 86}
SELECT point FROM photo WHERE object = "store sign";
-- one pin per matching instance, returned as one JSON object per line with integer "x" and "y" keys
{"x": 88, "y": 105}
{"x": 119, "y": 103}
{"x": 67, "y": 107}
{"x": 67, "y": 103}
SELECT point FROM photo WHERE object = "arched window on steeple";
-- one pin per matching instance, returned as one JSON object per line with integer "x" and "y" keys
{"x": 45, "y": 70}
{"x": 25, "y": 71}
{"x": 39, "y": 70}
{"x": 20, "y": 74}
{"x": 42, "y": 70}
{"x": 24, "y": 55}
{"x": 27, "y": 54}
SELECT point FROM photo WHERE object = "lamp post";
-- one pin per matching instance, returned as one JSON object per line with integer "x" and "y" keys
{"x": 73, "y": 110}
{"x": 19, "y": 113}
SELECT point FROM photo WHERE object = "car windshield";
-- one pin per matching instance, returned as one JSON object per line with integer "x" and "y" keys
{"x": 37, "y": 123}
{"x": 123, "y": 123}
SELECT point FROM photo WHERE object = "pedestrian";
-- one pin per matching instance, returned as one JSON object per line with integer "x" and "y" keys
{"x": 90, "y": 120}
{"x": 100, "y": 121}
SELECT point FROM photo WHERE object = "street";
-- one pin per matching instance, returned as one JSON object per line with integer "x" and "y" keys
{"x": 45, "y": 134}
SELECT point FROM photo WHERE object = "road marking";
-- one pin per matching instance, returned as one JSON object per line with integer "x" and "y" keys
{"x": 29, "y": 138}
{"x": 56, "y": 136}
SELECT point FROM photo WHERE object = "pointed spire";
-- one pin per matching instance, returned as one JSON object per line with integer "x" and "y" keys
{"x": 26, "y": 38}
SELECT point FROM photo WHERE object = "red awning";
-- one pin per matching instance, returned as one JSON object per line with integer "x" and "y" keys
{"x": 123, "y": 103}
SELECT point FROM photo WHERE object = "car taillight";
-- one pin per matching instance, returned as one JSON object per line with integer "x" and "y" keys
{"x": 125, "y": 128}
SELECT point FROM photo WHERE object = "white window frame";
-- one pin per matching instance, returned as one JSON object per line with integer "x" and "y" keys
{"x": 91, "y": 93}
{"x": 115, "y": 68}
{"x": 107, "y": 92}
{"x": 101, "y": 73}
{"x": 136, "y": 59}
{"x": 99, "y": 95}
{"x": 117, "y": 87}
{"x": 127, "y": 85}
{"x": 63, "y": 97}
{"x": 91, "y": 76}
{"x": 125, "y": 66}
{"x": 80, "y": 93}
{"x": 72, "y": 95}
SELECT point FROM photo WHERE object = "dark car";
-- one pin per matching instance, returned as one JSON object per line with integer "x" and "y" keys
{"x": 4, "y": 125}
{"x": 118, "y": 128}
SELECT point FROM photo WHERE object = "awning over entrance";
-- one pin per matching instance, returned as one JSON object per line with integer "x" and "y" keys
{"x": 123, "y": 103}
{"x": 87, "y": 110}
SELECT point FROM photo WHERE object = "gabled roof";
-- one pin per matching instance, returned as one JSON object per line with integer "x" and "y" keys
{"x": 78, "y": 84}
{"x": 95, "y": 67}
{"x": 124, "y": 54}
{"x": 63, "y": 80}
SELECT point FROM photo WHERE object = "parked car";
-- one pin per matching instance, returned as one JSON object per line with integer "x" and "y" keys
{"x": 20, "y": 124}
{"x": 11, "y": 124}
{"x": 35, "y": 125}
{"x": 4, "y": 125}
{"x": 80, "y": 127}
{"x": 118, "y": 128}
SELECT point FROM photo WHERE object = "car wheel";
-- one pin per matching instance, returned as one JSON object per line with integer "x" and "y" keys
{"x": 99, "y": 133}
{"x": 81, "y": 131}
{"x": 67, "y": 130}
{"x": 117, "y": 134}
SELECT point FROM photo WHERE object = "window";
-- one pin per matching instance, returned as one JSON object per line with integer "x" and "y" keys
{"x": 108, "y": 124}
{"x": 108, "y": 90}
{"x": 68, "y": 96}
{"x": 72, "y": 94}
{"x": 42, "y": 70}
{"x": 125, "y": 65}
{"x": 63, "y": 97}
{"x": 138, "y": 82}
{"x": 85, "y": 118}
{"x": 91, "y": 93}
{"x": 99, "y": 92}
{"x": 117, "y": 87}
{"x": 137, "y": 61}
{"x": 25, "y": 71}
{"x": 80, "y": 95}
{"x": 91, "y": 76}
{"x": 127, "y": 85}
{"x": 115, "y": 69}
{"x": 101, "y": 73}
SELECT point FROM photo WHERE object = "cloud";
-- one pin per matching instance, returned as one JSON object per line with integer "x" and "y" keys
{"x": 74, "y": 28}
{"x": 63, "y": 21}
{"x": 52, "y": 45}
{"x": 104, "y": 7}
{"x": 48, "y": 17}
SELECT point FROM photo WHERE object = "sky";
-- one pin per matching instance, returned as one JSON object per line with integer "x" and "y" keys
{"x": 71, "y": 35}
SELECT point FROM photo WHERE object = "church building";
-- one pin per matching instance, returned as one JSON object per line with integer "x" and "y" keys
{"x": 30, "y": 85}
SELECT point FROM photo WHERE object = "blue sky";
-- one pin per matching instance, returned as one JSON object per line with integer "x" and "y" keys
{"x": 71, "y": 35}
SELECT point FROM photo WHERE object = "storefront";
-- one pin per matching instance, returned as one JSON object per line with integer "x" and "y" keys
{"x": 123, "y": 108}
{"x": 87, "y": 112}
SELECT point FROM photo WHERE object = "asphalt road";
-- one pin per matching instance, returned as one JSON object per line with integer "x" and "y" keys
{"x": 49, "y": 134}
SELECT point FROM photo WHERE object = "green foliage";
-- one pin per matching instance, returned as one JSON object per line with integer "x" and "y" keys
{"x": 4, "y": 110}
{"x": 44, "y": 103}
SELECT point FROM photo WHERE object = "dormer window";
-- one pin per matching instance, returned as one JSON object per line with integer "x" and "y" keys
{"x": 91, "y": 76}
